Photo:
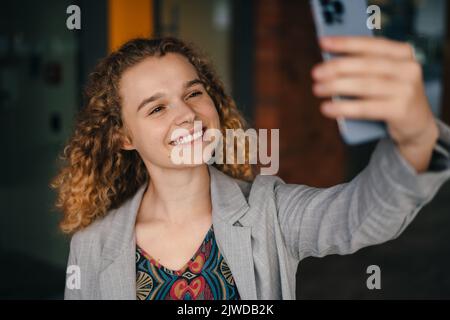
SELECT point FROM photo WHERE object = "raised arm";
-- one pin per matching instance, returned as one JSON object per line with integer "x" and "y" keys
{"x": 376, "y": 206}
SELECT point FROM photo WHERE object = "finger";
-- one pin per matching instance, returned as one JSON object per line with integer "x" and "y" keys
{"x": 356, "y": 109}
{"x": 362, "y": 87}
{"x": 366, "y": 66}
{"x": 373, "y": 46}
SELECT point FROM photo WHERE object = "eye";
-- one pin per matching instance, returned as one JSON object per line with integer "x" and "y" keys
{"x": 156, "y": 110}
{"x": 195, "y": 93}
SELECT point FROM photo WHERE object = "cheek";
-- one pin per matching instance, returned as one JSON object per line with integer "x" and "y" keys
{"x": 149, "y": 136}
{"x": 212, "y": 114}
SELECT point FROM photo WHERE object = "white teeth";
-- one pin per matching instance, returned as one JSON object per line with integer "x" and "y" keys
{"x": 188, "y": 138}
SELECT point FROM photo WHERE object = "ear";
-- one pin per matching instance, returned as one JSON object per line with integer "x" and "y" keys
{"x": 127, "y": 143}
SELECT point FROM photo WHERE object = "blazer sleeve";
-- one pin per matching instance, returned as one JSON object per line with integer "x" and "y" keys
{"x": 72, "y": 293}
{"x": 376, "y": 206}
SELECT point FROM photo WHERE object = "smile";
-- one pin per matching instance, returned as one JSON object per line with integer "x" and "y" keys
{"x": 188, "y": 138}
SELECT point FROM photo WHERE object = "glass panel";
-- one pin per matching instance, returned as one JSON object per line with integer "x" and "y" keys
{"x": 204, "y": 22}
{"x": 38, "y": 100}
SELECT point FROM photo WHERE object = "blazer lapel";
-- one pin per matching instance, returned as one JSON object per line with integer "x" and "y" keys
{"x": 118, "y": 280}
{"x": 118, "y": 275}
{"x": 234, "y": 243}
{"x": 233, "y": 238}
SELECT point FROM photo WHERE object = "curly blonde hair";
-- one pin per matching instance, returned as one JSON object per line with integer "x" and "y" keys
{"x": 97, "y": 174}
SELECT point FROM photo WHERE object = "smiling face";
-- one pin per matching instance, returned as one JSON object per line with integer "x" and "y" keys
{"x": 160, "y": 96}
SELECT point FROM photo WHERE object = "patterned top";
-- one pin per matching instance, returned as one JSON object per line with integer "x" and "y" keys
{"x": 206, "y": 276}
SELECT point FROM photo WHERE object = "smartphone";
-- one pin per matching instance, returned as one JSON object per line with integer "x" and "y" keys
{"x": 347, "y": 18}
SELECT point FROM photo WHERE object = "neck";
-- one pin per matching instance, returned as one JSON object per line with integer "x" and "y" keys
{"x": 176, "y": 196}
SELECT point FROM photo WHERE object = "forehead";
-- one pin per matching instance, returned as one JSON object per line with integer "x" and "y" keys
{"x": 156, "y": 74}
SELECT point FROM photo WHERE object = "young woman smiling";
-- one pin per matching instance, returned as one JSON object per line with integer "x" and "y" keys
{"x": 146, "y": 228}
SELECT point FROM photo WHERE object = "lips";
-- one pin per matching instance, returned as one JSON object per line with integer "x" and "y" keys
{"x": 187, "y": 138}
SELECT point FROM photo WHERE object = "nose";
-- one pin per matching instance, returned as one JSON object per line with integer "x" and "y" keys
{"x": 184, "y": 114}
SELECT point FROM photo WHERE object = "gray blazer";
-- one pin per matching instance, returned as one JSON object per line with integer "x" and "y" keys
{"x": 264, "y": 228}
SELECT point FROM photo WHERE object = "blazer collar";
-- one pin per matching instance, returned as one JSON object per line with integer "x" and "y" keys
{"x": 118, "y": 275}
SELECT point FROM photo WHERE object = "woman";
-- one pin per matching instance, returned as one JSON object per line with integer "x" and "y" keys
{"x": 145, "y": 227}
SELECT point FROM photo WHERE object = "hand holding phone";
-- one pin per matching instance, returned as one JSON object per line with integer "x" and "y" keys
{"x": 347, "y": 18}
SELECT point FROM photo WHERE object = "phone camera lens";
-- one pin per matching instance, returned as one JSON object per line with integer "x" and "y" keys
{"x": 332, "y": 11}
{"x": 328, "y": 17}
{"x": 338, "y": 7}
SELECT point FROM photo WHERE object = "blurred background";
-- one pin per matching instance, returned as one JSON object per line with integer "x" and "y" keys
{"x": 263, "y": 50}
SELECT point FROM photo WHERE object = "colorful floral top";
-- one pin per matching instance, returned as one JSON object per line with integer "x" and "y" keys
{"x": 206, "y": 276}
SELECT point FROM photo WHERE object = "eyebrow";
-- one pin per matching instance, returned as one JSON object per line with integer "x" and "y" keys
{"x": 159, "y": 95}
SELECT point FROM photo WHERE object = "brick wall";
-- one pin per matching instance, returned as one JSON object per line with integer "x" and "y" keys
{"x": 311, "y": 151}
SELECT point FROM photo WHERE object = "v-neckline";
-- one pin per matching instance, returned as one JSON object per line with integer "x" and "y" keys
{"x": 184, "y": 267}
